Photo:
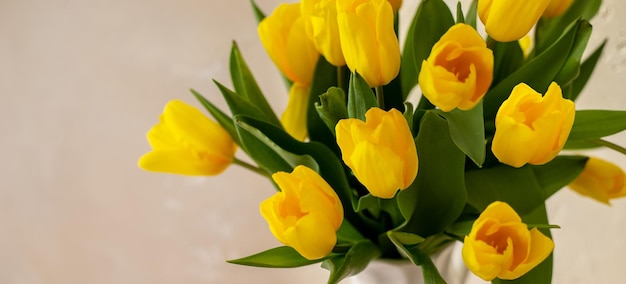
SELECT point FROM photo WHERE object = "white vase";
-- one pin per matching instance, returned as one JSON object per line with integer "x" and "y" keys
{"x": 383, "y": 271}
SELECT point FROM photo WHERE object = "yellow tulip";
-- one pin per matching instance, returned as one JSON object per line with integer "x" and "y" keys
{"x": 500, "y": 245}
{"x": 283, "y": 36}
{"x": 507, "y": 20}
{"x": 557, "y": 8}
{"x": 530, "y": 128}
{"x": 188, "y": 143}
{"x": 320, "y": 17}
{"x": 380, "y": 151}
{"x": 368, "y": 39}
{"x": 458, "y": 71}
{"x": 294, "y": 118}
{"x": 305, "y": 214}
{"x": 600, "y": 180}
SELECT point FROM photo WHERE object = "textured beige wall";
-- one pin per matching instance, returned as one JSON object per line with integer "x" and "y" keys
{"x": 82, "y": 81}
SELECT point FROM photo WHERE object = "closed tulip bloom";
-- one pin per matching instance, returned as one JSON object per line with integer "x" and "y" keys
{"x": 557, "y": 8}
{"x": 500, "y": 245}
{"x": 507, "y": 20}
{"x": 320, "y": 18}
{"x": 600, "y": 180}
{"x": 294, "y": 118}
{"x": 458, "y": 71}
{"x": 188, "y": 143}
{"x": 305, "y": 214}
{"x": 531, "y": 128}
{"x": 283, "y": 36}
{"x": 368, "y": 39}
{"x": 380, "y": 151}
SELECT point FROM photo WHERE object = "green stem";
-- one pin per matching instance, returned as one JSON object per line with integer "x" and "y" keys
{"x": 380, "y": 97}
{"x": 250, "y": 167}
{"x": 609, "y": 145}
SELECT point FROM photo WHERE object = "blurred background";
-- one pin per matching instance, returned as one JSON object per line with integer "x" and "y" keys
{"x": 81, "y": 82}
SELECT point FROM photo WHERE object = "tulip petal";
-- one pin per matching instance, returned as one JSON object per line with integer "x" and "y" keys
{"x": 379, "y": 169}
{"x": 183, "y": 162}
{"x": 294, "y": 118}
{"x": 500, "y": 25}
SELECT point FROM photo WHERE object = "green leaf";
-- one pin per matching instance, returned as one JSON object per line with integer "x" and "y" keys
{"x": 405, "y": 239}
{"x": 586, "y": 69}
{"x": 348, "y": 234}
{"x": 257, "y": 11}
{"x": 472, "y": 14}
{"x": 417, "y": 256}
{"x": 368, "y": 202}
{"x": 580, "y": 145}
{"x": 280, "y": 257}
{"x": 353, "y": 262}
{"x": 460, "y": 229}
{"x": 460, "y": 18}
{"x": 507, "y": 57}
{"x": 548, "y": 30}
{"x": 432, "y": 19}
{"x": 324, "y": 77}
{"x": 549, "y": 63}
{"x": 591, "y": 124}
{"x": 239, "y": 105}
{"x": 467, "y": 129}
{"x": 558, "y": 173}
{"x": 223, "y": 119}
{"x": 571, "y": 68}
{"x": 332, "y": 107}
{"x": 267, "y": 153}
{"x": 246, "y": 86}
{"x": 360, "y": 97}
{"x": 517, "y": 187}
{"x": 437, "y": 196}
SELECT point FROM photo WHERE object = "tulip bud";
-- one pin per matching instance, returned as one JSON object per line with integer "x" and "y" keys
{"x": 320, "y": 17}
{"x": 305, "y": 214}
{"x": 557, "y": 8}
{"x": 188, "y": 143}
{"x": 500, "y": 245}
{"x": 368, "y": 39}
{"x": 458, "y": 71}
{"x": 507, "y": 20}
{"x": 380, "y": 151}
{"x": 600, "y": 180}
{"x": 530, "y": 128}
{"x": 294, "y": 118}
{"x": 283, "y": 36}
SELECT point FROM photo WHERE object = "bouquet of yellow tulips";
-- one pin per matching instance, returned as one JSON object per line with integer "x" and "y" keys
{"x": 361, "y": 173}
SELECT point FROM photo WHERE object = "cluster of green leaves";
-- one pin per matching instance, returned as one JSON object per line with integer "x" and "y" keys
{"x": 458, "y": 176}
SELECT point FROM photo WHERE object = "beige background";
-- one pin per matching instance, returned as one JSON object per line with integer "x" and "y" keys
{"x": 82, "y": 81}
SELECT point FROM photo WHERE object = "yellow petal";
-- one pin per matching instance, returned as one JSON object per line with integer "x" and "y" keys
{"x": 600, "y": 180}
{"x": 294, "y": 118}
{"x": 187, "y": 142}
{"x": 501, "y": 25}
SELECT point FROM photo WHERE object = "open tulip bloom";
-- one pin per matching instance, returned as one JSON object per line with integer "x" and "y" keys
{"x": 487, "y": 133}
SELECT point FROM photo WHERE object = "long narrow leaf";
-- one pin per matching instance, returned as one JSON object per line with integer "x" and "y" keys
{"x": 280, "y": 257}
{"x": 245, "y": 85}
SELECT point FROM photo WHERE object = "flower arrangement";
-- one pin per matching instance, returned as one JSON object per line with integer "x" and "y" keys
{"x": 362, "y": 173}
